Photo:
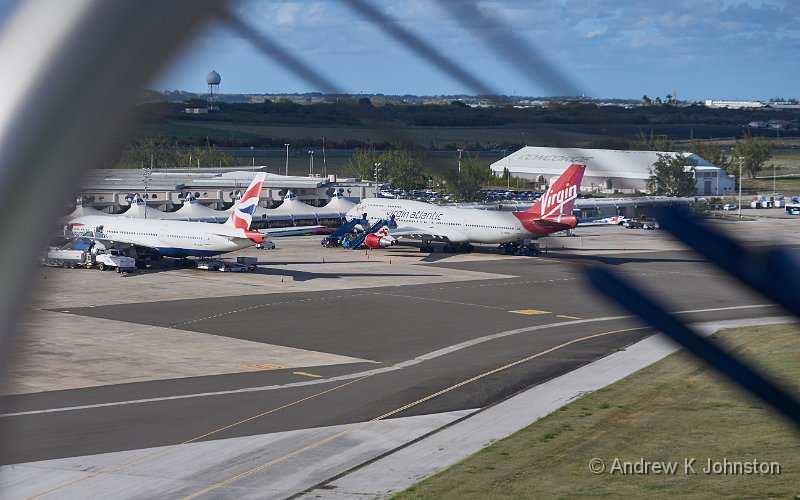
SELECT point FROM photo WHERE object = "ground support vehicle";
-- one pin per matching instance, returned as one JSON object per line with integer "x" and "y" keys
{"x": 100, "y": 259}
{"x": 520, "y": 248}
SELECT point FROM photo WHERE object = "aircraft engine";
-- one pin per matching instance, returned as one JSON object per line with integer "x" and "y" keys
{"x": 377, "y": 241}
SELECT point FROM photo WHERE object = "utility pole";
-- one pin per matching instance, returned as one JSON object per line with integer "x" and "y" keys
{"x": 287, "y": 160}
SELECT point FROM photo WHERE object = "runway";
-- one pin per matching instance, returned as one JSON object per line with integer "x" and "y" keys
{"x": 487, "y": 328}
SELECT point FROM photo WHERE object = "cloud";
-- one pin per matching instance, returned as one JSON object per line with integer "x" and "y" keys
{"x": 663, "y": 40}
{"x": 286, "y": 14}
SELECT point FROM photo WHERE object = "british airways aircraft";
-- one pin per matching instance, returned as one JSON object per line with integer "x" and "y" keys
{"x": 182, "y": 239}
{"x": 458, "y": 227}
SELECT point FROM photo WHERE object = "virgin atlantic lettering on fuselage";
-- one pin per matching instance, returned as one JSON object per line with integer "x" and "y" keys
{"x": 479, "y": 226}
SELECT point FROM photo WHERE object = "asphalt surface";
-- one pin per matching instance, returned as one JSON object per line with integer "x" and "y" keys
{"x": 419, "y": 339}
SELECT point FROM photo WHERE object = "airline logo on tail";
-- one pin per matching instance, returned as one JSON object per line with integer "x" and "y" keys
{"x": 243, "y": 210}
{"x": 561, "y": 196}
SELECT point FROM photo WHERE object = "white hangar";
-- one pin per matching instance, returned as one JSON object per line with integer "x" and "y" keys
{"x": 607, "y": 169}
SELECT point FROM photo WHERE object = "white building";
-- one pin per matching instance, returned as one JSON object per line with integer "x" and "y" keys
{"x": 608, "y": 170}
{"x": 732, "y": 104}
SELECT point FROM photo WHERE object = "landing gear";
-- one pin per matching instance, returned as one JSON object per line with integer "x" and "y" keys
{"x": 457, "y": 247}
{"x": 426, "y": 247}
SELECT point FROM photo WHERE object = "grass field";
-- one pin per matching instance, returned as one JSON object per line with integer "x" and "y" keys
{"x": 673, "y": 410}
{"x": 787, "y": 172}
{"x": 426, "y": 137}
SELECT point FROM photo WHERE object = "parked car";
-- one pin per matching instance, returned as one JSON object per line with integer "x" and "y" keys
{"x": 267, "y": 245}
{"x": 233, "y": 267}
{"x": 729, "y": 206}
{"x": 633, "y": 224}
{"x": 210, "y": 265}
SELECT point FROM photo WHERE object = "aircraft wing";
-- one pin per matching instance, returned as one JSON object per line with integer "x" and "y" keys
{"x": 289, "y": 231}
{"x": 416, "y": 234}
{"x": 103, "y": 239}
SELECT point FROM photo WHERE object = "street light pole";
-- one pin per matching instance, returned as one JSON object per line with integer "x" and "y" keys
{"x": 459, "y": 162}
{"x": 508, "y": 170}
{"x": 146, "y": 172}
{"x": 740, "y": 188}
{"x": 287, "y": 160}
{"x": 377, "y": 170}
{"x": 311, "y": 163}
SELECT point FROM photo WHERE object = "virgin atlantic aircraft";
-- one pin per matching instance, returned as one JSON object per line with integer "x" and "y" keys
{"x": 459, "y": 227}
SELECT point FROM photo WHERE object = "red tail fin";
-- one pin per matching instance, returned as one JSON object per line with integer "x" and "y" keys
{"x": 561, "y": 196}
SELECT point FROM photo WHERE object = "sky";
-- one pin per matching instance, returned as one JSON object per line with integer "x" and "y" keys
{"x": 698, "y": 49}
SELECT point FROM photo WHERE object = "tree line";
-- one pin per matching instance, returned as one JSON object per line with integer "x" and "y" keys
{"x": 157, "y": 152}
{"x": 403, "y": 170}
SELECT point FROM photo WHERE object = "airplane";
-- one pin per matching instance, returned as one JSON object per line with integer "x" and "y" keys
{"x": 458, "y": 228}
{"x": 156, "y": 238}
{"x": 613, "y": 220}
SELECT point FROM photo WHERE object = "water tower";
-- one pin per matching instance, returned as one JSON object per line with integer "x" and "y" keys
{"x": 213, "y": 80}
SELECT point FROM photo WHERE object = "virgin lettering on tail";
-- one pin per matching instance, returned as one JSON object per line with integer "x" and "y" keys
{"x": 242, "y": 214}
{"x": 561, "y": 196}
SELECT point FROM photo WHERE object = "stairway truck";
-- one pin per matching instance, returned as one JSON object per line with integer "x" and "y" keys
{"x": 64, "y": 258}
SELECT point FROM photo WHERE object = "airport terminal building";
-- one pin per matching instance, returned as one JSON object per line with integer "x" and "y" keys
{"x": 207, "y": 195}
{"x": 111, "y": 190}
{"x": 608, "y": 171}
